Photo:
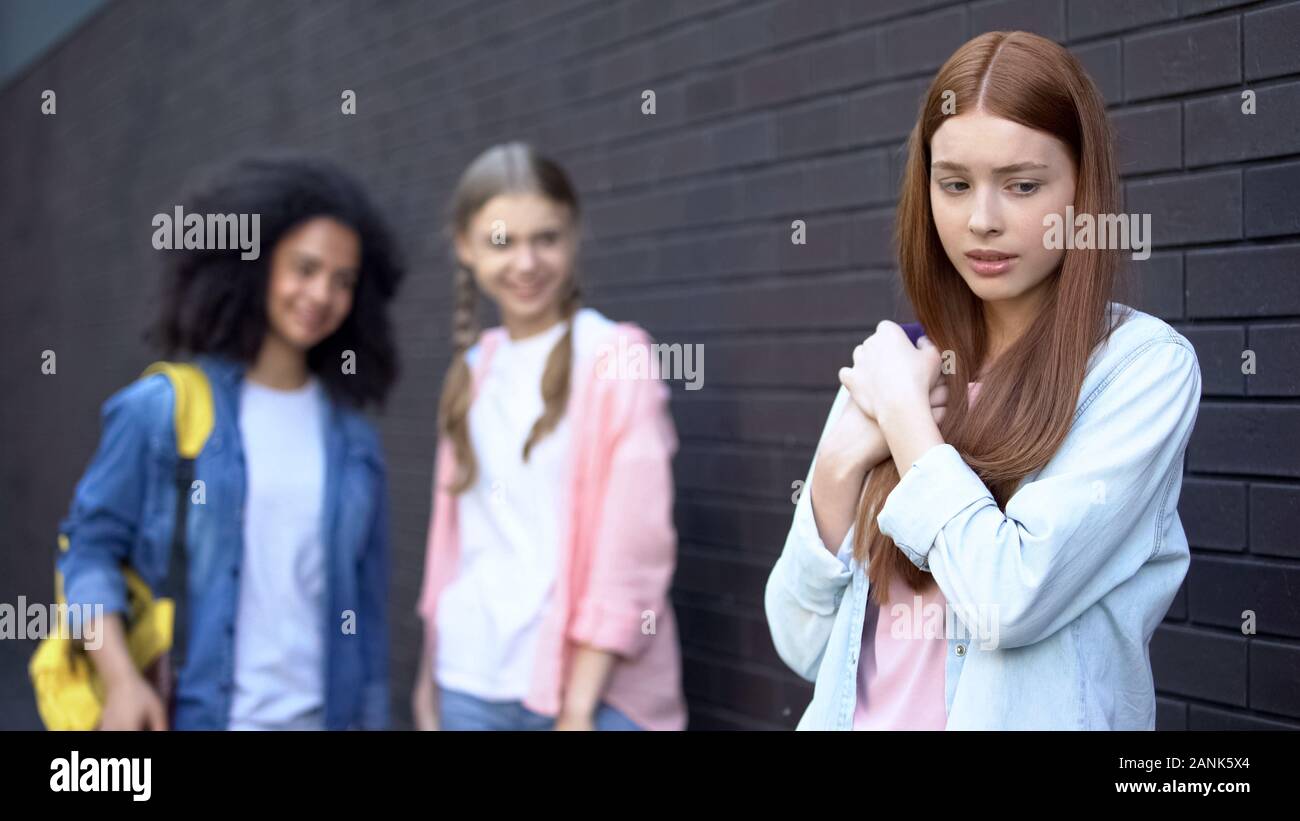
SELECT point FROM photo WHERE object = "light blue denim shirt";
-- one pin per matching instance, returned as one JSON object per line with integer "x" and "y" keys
{"x": 1054, "y": 600}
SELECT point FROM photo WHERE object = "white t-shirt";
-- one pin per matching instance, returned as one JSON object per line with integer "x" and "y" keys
{"x": 279, "y": 630}
{"x": 510, "y": 528}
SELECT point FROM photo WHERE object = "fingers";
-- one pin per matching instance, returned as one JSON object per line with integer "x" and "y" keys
{"x": 157, "y": 716}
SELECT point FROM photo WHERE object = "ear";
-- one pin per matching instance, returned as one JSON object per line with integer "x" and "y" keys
{"x": 464, "y": 249}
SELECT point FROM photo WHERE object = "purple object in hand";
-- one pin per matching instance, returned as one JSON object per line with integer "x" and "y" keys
{"x": 914, "y": 331}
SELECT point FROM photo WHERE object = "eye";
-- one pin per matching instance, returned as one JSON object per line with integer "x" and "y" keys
{"x": 948, "y": 186}
{"x": 346, "y": 281}
{"x": 1035, "y": 188}
{"x": 548, "y": 238}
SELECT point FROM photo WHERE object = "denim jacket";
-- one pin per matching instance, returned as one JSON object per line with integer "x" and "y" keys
{"x": 1053, "y": 602}
{"x": 123, "y": 512}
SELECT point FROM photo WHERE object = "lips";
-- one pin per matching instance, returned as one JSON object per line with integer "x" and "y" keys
{"x": 311, "y": 321}
{"x": 987, "y": 262}
{"x": 528, "y": 291}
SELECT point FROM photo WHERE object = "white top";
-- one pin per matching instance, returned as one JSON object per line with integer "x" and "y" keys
{"x": 489, "y": 616}
{"x": 279, "y": 640}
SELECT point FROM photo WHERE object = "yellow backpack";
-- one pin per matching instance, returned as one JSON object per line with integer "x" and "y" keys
{"x": 69, "y": 691}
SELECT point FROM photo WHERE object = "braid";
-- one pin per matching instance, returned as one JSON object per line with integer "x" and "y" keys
{"x": 453, "y": 408}
{"x": 556, "y": 377}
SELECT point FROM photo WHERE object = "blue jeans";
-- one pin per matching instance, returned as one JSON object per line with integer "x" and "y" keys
{"x": 462, "y": 711}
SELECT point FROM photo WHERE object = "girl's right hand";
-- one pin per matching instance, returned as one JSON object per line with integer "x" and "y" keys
{"x": 132, "y": 704}
{"x": 856, "y": 438}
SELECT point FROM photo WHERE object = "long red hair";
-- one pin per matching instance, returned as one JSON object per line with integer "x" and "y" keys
{"x": 1028, "y": 395}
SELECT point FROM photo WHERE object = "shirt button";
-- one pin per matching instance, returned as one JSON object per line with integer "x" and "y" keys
{"x": 961, "y": 649}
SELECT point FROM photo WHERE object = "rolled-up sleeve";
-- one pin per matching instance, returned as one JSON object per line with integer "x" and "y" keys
{"x": 636, "y": 541}
{"x": 103, "y": 522}
{"x": 808, "y": 581}
{"x": 1069, "y": 537}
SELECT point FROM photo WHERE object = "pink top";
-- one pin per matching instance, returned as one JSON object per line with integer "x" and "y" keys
{"x": 619, "y": 552}
{"x": 902, "y": 674}
{"x": 901, "y": 671}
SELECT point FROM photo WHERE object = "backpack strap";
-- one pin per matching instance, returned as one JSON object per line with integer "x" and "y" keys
{"x": 192, "y": 417}
{"x": 193, "y": 412}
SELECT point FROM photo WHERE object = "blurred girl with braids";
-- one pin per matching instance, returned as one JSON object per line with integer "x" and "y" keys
{"x": 551, "y": 546}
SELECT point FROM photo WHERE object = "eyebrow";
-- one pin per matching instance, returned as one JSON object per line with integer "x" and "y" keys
{"x": 308, "y": 257}
{"x": 539, "y": 232}
{"x": 1005, "y": 169}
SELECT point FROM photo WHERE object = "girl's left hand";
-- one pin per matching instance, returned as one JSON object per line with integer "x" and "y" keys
{"x": 889, "y": 372}
{"x": 578, "y": 722}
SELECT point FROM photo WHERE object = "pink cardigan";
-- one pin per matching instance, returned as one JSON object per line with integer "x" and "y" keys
{"x": 617, "y": 562}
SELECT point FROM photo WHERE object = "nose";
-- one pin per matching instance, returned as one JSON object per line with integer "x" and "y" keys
{"x": 525, "y": 257}
{"x": 986, "y": 214}
{"x": 318, "y": 289}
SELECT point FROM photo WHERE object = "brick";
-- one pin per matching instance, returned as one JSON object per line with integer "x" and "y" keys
{"x": 1275, "y": 677}
{"x": 1193, "y": 7}
{"x": 1213, "y": 513}
{"x": 1043, "y": 17}
{"x": 1170, "y": 715}
{"x": 1159, "y": 283}
{"x": 1199, "y": 664}
{"x": 1261, "y": 280}
{"x": 1089, "y": 18}
{"x": 1275, "y": 519}
{"x": 1270, "y": 194}
{"x": 1221, "y": 589}
{"x": 1245, "y": 438}
{"x": 921, "y": 43}
{"x": 1191, "y": 208}
{"x": 1217, "y": 130}
{"x": 1277, "y": 351}
{"x": 1271, "y": 36}
{"x": 1149, "y": 138}
{"x": 1219, "y": 351}
{"x": 748, "y": 472}
{"x": 1102, "y": 61}
{"x": 1183, "y": 58}
{"x": 1201, "y": 717}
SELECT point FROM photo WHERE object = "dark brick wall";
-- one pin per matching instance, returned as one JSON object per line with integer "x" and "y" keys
{"x": 766, "y": 112}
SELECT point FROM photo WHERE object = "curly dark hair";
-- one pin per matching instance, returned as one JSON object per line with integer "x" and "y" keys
{"x": 215, "y": 303}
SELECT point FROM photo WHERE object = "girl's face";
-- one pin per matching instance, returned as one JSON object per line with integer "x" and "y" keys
{"x": 991, "y": 183}
{"x": 521, "y": 248}
{"x": 314, "y": 270}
